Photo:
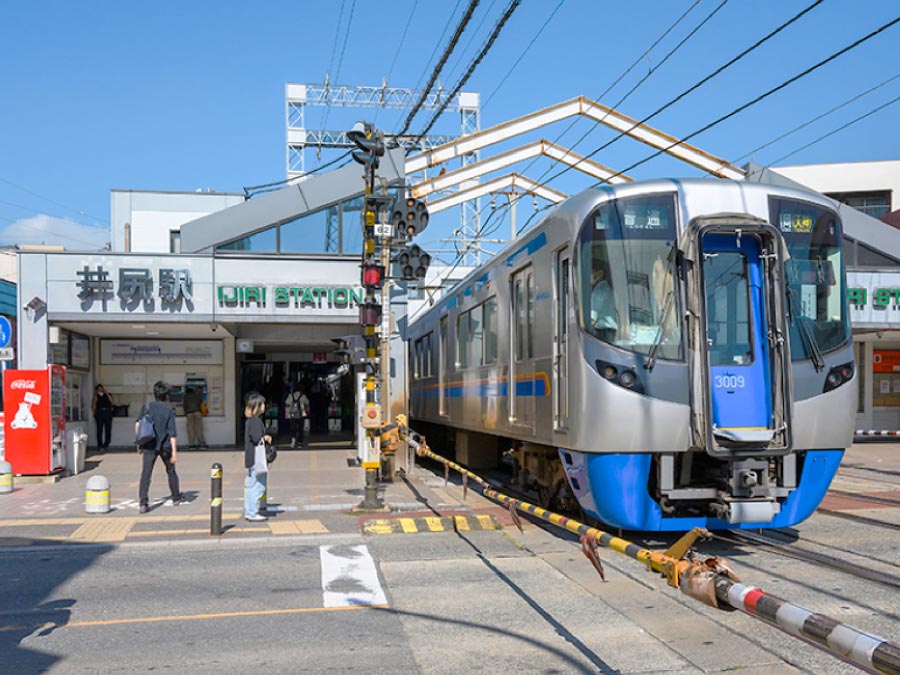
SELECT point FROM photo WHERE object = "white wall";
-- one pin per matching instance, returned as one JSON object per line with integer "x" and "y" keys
{"x": 848, "y": 177}
{"x": 153, "y": 215}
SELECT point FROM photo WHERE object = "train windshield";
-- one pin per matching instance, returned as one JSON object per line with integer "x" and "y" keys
{"x": 626, "y": 279}
{"x": 815, "y": 276}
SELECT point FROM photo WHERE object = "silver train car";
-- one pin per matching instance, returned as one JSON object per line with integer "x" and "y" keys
{"x": 667, "y": 354}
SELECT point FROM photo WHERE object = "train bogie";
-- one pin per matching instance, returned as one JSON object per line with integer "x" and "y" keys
{"x": 668, "y": 354}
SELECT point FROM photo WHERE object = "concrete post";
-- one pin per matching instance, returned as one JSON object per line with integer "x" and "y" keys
{"x": 96, "y": 495}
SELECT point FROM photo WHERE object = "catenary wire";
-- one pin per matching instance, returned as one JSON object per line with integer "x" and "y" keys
{"x": 399, "y": 50}
{"x": 53, "y": 201}
{"x": 435, "y": 73}
{"x": 437, "y": 44}
{"x": 255, "y": 189}
{"x": 764, "y": 95}
{"x": 524, "y": 52}
{"x": 473, "y": 65}
{"x": 834, "y": 131}
{"x": 337, "y": 71}
{"x": 688, "y": 91}
{"x": 815, "y": 119}
{"x": 460, "y": 54}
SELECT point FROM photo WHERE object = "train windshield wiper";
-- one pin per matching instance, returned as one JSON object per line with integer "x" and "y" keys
{"x": 809, "y": 340}
{"x": 664, "y": 318}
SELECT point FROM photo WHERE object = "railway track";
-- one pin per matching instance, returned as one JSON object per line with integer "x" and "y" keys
{"x": 771, "y": 543}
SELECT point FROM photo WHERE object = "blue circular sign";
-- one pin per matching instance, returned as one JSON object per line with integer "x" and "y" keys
{"x": 5, "y": 332}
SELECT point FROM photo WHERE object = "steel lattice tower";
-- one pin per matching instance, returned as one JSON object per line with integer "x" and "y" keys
{"x": 299, "y": 96}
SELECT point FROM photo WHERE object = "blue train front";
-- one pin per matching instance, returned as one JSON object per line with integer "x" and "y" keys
{"x": 680, "y": 353}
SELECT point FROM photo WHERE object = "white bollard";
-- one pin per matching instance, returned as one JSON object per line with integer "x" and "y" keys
{"x": 96, "y": 495}
{"x": 6, "y": 477}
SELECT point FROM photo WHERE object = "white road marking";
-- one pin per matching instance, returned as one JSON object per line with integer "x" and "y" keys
{"x": 349, "y": 577}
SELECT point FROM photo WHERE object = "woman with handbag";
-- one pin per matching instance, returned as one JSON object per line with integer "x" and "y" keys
{"x": 255, "y": 440}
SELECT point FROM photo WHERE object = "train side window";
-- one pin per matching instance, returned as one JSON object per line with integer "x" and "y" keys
{"x": 476, "y": 336}
{"x": 462, "y": 340}
{"x": 428, "y": 357}
{"x": 519, "y": 312}
{"x": 529, "y": 289}
{"x": 490, "y": 331}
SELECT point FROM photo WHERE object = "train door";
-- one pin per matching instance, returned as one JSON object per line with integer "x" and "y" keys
{"x": 740, "y": 373}
{"x": 561, "y": 341}
{"x": 442, "y": 366}
{"x": 521, "y": 370}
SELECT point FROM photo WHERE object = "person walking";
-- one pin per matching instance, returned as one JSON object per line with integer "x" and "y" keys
{"x": 102, "y": 406}
{"x": 296, "y": 407}
{"x": 257, "y": 470}
{"x": 164, "y": 445}
{"x": 193, "y": 412}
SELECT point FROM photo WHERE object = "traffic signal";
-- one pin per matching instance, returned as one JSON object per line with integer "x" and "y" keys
{"x": 369, "y": 141}
{"x": 409, "y": 216}
{"x": 413, "y": 263}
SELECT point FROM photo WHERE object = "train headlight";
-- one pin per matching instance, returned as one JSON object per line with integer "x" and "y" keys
{"x": 627, "y": 379}
{"x": 621, "y": 375}
{"x": 610, "y": 372}
{"x": 837, "y": 376}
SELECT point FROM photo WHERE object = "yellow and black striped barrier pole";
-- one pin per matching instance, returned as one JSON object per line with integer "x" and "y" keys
{"x": 711, "y": 581}
{"x": 215, "y": 499}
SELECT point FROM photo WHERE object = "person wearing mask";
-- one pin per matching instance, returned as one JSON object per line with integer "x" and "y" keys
{"x": 164, "y": 445}
{"x": 254, "y": 432}
{"x": 102, "y": 406}
{"x": 193, "y": 412}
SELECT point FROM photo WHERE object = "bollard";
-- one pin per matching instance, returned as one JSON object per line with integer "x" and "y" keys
{"x": 215, "y": 499}
{"x": 96, "y": 495}
{"x": 6, "y": 477}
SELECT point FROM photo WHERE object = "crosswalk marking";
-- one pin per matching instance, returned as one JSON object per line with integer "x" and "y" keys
{"x": 349, "y": 577}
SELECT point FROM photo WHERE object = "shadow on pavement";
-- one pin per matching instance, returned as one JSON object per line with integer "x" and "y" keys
{"x": 31, "y": 570}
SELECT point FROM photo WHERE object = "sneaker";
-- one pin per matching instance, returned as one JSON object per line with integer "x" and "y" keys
{"x": 258, "y": 518}
{"x": 204, "y": 447}
{"x": 293, "y": 443}
{"x": 144, "y": 508}
{"x": 179, "y": 500}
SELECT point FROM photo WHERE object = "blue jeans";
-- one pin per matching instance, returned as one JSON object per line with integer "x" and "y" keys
{"x": 255, "y": 488}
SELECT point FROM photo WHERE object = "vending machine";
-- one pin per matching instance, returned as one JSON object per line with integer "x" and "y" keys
{"x": 35, "y": 420}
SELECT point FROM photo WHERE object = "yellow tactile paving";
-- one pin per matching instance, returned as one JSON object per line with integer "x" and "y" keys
{"x": 150, "y": 533}
{"x": 488, "y": 522}
{"x": 297, "y": 527}
{"x": 106, "y": 531}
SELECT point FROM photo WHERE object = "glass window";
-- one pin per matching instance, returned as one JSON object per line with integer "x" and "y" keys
{"x": 490, "y": 331}
{"x": 626, "y": 280}
{"x": 315, "y": 232}
{"x": 351, "y": 225}
{"x": 426, "y": 362}
{"x": 476, "y": 330}
{"x": 261, "y": 242}
{"x": 174, "y": 241}
{"x": 529, "y": 292}
{"x": 727, "y": 308}
{"x": 519, "y": 300}
{"x": 815, "y": 274}
{"x": 462, "y": 341}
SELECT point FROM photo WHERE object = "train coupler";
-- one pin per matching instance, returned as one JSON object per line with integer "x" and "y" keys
{"x": 589, "y": 548}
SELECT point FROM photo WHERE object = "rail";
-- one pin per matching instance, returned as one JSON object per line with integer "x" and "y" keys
{"x": 711, "y": 581}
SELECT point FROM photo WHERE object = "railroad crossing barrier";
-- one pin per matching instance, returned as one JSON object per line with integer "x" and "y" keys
{"x": 96, "y": 495}
{"x": 711, "y": 581}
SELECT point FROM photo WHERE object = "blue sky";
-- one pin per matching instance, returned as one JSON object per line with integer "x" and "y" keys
{"x": 190, "y": 95}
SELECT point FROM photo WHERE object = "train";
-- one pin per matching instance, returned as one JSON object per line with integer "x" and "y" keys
{"x": 659, "y": 354}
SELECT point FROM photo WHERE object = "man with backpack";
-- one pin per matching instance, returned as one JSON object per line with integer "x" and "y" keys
{"x": 156, "y": 437}
{"x": 296, "y": 409}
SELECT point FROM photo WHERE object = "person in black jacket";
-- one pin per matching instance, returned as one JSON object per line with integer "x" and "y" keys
{"x": 164, "y": 445}
{"x": 254, "y": 431}
{"x": 102, "y": 405}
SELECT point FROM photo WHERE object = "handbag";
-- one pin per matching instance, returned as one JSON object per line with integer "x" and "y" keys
{"x": 271, "y": 453}
{"x": 259, "y": 458}
{"x": 204, "y": 409}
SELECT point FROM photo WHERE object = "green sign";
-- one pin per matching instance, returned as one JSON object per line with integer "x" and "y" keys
{"x": 300, "y": 297}
{"x": 881, "y": 297}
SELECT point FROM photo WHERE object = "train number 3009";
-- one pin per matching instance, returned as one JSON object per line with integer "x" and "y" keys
{"x": 729, "y": 382}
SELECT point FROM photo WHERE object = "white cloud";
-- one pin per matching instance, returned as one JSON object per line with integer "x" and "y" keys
{"x": 53, "y": 231}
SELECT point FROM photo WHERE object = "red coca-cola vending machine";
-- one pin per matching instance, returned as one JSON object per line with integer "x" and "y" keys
{"x": 35, "y": 420}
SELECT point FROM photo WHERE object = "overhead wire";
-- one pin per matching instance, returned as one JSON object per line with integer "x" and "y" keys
{"x": 337, "y": 72}
{"x": 460, "y": 54}
{"x": 834, "y": 131}
{"x": 437, "y": 44}
{"x": 435, "y": 73}
{"x": 765, "y": 95}
{"x": 390, "y": 72}
{"x": 686, "y": 92}
{"x": 513, "y": 5}
{"x": 53, "y": 201}
{"x": 523, "y": 53}
{"x": 816, "y": 119}
{"x": 251, "y": 190}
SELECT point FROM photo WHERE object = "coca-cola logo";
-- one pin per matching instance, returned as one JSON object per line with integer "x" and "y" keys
{"x": 22, "y": 384}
